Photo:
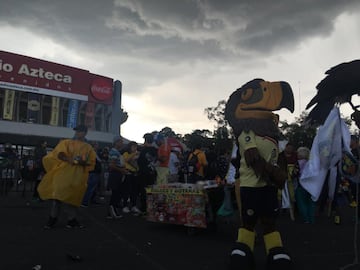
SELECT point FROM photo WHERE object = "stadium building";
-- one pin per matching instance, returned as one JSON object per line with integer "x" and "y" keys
{"x": 45, "y": 100}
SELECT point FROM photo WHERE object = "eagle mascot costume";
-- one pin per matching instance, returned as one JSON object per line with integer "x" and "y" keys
{"x": 255, "y": 126}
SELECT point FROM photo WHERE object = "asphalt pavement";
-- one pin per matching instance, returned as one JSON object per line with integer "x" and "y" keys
{"x": 134, "y": 243}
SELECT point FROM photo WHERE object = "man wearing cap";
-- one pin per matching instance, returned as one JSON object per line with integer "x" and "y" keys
{"x": 67, "y": 170}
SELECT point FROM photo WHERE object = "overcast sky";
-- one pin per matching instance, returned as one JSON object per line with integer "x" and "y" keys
{"x": 177, "y": 57}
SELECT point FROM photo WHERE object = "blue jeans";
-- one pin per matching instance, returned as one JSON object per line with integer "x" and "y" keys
{"x": 93, "y": 180}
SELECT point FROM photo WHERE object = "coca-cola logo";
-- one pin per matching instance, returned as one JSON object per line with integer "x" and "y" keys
{"x": 101, "y": 89}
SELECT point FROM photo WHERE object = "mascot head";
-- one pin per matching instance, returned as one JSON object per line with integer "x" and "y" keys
{"x": 250, "y": 107}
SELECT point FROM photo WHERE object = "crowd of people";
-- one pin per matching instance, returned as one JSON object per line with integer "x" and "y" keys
{"x": 123, "y": 171}
{"x": 299, "y": 201}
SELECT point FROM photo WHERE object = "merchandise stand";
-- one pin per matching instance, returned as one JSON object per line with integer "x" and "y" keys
{"x": 190, "y": 205}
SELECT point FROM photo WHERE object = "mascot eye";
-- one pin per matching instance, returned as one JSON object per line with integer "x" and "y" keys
{"x": 246, "y": 94}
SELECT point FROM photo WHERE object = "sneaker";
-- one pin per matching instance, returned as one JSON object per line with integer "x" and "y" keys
{"x": 113, "y": 213}
{"x": 135, "y": 210}
{"x": 51, "y": 223}
{"x": 126, "y": 210}
{"x": 73, "y": 224}
{"x": 84, "y": 205}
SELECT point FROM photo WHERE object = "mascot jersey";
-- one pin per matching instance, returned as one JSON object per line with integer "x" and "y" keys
{"x": 267, "y": 148}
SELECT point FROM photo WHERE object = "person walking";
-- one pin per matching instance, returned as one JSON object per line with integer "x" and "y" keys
{"x": 39, "y": 152}
{"x": 147, "y": 171}
{"x": 67, "y": 170}
{"x": 117, "y": 173}
{"x": 131, "y": 180}
{"x": 94, "y": 179}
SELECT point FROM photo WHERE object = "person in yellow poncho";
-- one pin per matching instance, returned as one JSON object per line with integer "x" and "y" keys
{"x": 67, "y": 169}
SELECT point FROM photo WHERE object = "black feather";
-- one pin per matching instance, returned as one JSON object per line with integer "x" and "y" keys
{"x": 340, "y": 84}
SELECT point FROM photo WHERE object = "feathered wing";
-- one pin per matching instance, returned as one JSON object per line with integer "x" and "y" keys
{"x": 319, "y": 113}
{"x": 342, "y": 81}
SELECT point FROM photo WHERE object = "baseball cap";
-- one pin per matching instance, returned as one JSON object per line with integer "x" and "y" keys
{"x": 81, "y": 128}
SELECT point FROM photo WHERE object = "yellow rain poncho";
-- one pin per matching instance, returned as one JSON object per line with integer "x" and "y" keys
{"x": 64, "y": 181}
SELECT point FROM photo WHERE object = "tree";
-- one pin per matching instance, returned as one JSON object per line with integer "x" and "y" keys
{"x": 222, "y": 140}
{"x": 198, "y": 137}
{"x": 217, "y": 114}
{"x": 222, "y": 133}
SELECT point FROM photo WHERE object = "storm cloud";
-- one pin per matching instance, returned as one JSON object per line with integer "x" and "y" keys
{"x": 203, "y": 47}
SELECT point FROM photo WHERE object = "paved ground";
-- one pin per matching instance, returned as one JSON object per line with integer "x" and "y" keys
{"x": 134, "y": 243}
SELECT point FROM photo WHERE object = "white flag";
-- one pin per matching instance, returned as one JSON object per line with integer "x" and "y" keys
{"x": 326, "y": 152}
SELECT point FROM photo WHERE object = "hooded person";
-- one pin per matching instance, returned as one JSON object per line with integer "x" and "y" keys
{"x": 67, "y": 169}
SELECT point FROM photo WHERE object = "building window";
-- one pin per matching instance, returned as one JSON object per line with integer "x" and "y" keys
{"x": 22, "y": 106}
{"x": 64, "y": 112}
{"x": 2, "y": 94}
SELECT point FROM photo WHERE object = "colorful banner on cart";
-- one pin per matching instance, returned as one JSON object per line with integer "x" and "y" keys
{"x": 9, "y": 101}
{"x": 72, "y": 113}
{"x": 177, "y": 207}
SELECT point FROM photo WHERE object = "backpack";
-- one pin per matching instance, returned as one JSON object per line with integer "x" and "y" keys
{"x": 193, "y": 163}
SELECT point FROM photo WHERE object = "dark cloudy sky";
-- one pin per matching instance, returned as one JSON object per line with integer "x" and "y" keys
{"x": 177, "y": 57}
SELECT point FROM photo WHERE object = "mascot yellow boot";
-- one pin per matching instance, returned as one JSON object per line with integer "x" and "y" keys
{"x": 249, "y": 113}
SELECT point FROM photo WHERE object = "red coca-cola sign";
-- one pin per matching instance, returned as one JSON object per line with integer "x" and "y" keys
{"x": 101, "y": 89}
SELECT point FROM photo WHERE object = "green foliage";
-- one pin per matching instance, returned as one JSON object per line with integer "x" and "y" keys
{"x": 298, "y": 132}
{"x": 198, "y": 137}
{"x": 217, "y": 113}
{"x": 222, "y": 137}
{"x": 223, "y": 141}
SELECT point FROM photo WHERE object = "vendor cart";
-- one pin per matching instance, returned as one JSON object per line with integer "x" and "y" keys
{"x": 190, "y": 205}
